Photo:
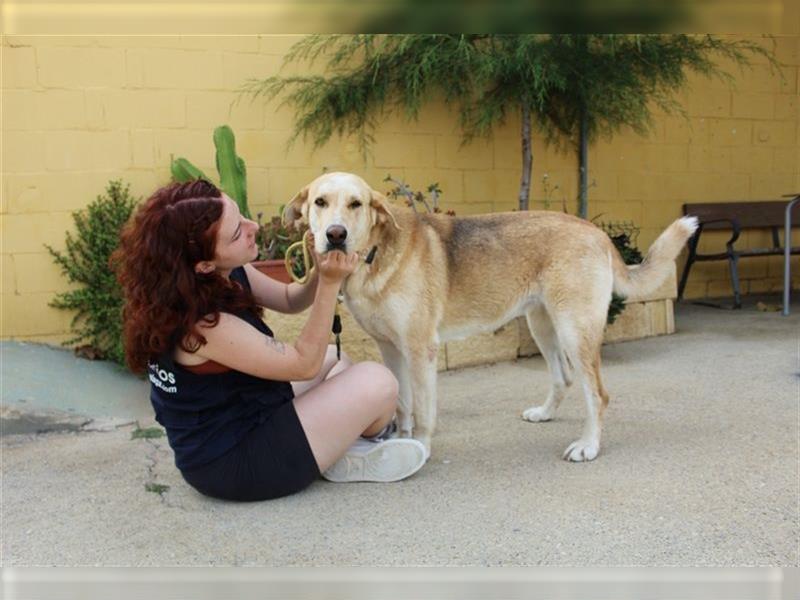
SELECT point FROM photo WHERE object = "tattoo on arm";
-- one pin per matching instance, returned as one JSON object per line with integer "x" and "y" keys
{"x": 276, "y": 345}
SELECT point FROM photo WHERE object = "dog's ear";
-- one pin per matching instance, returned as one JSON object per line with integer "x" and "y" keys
{"x": 297, "y": 208}
{"x": 381, "y": 210}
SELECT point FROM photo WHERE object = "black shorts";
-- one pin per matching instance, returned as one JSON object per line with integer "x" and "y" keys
{"x": 273, "y": 460}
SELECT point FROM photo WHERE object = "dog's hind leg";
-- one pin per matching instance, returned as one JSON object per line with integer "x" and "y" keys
{"x": 578, "y": 308}
{"x": 544, "y": 334}
{"x": 582, "y": 337}
{"x": 588, "y": 446}
{"x": 397, "y": 364}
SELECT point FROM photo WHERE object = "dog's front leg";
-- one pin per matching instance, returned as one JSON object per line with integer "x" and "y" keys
{"x": 422, "y": 366}
{"x": 397, "y": 364}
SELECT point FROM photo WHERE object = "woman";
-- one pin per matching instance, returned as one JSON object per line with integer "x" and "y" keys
{"x": 220, "y": 382}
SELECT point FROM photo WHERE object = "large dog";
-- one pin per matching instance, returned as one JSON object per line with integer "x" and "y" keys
{"x": 434, "y": 278}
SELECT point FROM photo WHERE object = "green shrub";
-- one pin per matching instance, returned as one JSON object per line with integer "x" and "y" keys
{"x": 615, "y": 307}
{"x": 98, "y": 301}
{"x": 623, "y": 236}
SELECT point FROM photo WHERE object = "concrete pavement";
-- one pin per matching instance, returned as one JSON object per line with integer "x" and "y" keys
{"x": 50, "y": 389}
{"x": 698, "y": 467}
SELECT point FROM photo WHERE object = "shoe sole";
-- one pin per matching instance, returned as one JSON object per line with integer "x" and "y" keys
{"x": 389, "y": 461}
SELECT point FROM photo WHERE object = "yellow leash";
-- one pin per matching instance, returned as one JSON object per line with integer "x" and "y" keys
{"x": 287, "y": 261}
{"x": 306, "y": 257}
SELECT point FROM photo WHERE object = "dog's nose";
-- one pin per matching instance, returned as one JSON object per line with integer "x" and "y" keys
{"x": 336, "y": 234}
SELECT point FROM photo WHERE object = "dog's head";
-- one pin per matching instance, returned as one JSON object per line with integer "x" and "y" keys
{"x": 341, "y": 211}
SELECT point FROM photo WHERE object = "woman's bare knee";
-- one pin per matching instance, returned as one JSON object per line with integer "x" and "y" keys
{"x": 380, "y": 384}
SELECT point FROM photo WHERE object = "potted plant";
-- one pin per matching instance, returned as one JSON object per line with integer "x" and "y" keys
{"x": 413, "y": 198}
{"x": 273, "y": 239}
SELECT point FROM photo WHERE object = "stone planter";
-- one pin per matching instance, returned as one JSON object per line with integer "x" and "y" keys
{"x": 643, "y": 317}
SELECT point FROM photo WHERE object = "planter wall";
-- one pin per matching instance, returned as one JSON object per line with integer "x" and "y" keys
{"x": 643, "y": 317}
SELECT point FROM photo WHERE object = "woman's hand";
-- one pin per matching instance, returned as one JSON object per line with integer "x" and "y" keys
{"x": 335, "y": 265}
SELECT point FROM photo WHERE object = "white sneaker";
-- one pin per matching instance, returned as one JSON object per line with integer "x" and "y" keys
{"x": 391, "y": 460}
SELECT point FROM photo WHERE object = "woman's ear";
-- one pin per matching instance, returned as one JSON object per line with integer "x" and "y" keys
{"x": 382, "y": 213}
{"x": 204, "y": 267}
{"x": 297, "y": 208}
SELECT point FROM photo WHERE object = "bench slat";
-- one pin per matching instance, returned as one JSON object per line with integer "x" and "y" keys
{"x": 750, "y": 214}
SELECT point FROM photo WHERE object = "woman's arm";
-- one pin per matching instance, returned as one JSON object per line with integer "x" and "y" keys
{"x": 236, "y": 344}
{"x": 300, "y": 297}
{"x": 286, "y": 298}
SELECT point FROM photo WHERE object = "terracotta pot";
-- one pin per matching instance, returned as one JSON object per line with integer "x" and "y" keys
{"x": 273, "y": 268}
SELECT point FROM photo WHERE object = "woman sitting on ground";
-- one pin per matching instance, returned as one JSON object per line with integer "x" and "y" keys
{"x": 247, "y": 416}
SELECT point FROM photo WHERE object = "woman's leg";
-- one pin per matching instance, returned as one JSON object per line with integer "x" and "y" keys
{"x": 359, "y": 399}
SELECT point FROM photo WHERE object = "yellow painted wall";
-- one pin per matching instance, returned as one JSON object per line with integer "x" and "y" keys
{"x": 79, "y": 111}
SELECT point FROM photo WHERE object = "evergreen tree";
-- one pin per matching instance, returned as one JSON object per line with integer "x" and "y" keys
{"x": 592, "y": 83}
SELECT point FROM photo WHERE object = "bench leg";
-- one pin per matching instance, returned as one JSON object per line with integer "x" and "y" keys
{"x": 689, "y": 262}
{"x": 684, "y": 277}
{"x": 733, "y": 262}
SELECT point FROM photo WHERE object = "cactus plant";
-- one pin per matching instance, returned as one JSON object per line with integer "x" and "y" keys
{"x": 231, "y": 169}
{"x": 183, "y": 170}
{"x": 232, "y": 173}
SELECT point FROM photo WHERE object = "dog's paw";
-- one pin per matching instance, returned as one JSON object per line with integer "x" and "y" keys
{"x": 582, "y": 450}
{"x": 537, "y": 414}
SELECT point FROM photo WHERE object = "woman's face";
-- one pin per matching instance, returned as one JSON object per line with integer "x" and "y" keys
{"x": 236, "y": 238}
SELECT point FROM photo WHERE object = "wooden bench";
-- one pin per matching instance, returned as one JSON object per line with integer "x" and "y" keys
{"x": 736, "y": 217}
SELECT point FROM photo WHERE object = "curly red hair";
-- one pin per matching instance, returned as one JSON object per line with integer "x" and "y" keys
{"x": 164, "y": 297}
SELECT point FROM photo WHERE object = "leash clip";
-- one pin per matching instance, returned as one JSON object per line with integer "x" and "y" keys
{"x": 336, "y": 328}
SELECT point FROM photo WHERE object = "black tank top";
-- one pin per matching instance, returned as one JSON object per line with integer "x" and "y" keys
{"x": 207, "y": 415}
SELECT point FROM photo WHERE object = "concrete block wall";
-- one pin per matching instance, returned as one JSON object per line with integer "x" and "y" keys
{"x": 78, "y": 111}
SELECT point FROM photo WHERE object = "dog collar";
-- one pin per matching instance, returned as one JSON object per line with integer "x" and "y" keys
{"x": 371, "y": 256}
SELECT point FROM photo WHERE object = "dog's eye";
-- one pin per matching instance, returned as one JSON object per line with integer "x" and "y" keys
{"x": 320, "y": 202}
{"x": 355, "y": 204}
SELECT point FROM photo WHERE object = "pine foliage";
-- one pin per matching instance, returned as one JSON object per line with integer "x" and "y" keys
{"x": 619, "y": 78}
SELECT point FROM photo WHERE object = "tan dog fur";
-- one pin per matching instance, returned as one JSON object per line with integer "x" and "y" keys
{"x": 436, "y": 278}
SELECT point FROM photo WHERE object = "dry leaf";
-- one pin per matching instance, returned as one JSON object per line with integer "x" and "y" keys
{"x": 763, "y": 307}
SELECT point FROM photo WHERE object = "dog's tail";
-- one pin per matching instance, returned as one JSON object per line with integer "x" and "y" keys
{"x": 642, "y": 279}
